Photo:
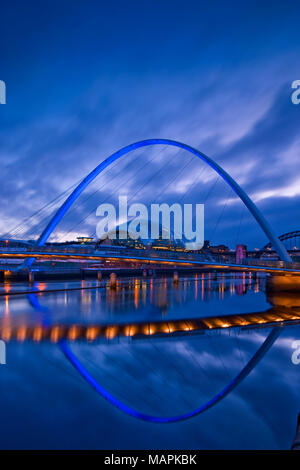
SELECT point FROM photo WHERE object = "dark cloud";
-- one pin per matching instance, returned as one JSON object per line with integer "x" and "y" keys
{"x": 79, "y": 104}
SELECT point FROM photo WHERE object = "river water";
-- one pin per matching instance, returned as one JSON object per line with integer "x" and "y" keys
{"x": 46, "y": 403}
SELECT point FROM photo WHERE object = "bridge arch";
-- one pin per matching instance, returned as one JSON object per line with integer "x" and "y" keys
{"x": 285, "y": 236}
{"x": 104, "y": 393}
{"x": 255, "y": 359}
{"x": 276, "y": 243}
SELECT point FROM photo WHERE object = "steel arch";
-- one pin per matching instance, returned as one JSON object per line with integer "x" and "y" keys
{"x": 260, "y": 353}
{"x": 255, "y": 359}
{"x": 279, "y": 247}
{"x": 283, "y": 237}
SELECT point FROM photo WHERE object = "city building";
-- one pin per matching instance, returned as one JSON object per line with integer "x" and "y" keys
{"x": 240, "y": 253}
{"x": 84, "y": 240}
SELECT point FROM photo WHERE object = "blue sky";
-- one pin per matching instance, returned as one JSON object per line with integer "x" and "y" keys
{"x": 86, "y": 78}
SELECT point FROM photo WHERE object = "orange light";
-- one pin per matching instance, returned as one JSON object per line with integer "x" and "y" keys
{"x": 132, "y": 331}
{"x": 73, "y": 333}
{"x": 21, "y": 334}
{"x": 91, "y": 333}
{"x": 37, "y": 333}
{"x": 55, "y": 334}
{"x": 110, "y": 332}
{"x": 6, "y": 334}
{"x": 127, "y": 331}
{"x": 42, "y": 286}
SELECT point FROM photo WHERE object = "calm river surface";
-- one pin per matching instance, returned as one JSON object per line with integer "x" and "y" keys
{"x": 45, "y": 403}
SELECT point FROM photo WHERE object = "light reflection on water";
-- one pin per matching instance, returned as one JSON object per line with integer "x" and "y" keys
{"x": 50, "y": 405}
{"x": 139, "y": 299}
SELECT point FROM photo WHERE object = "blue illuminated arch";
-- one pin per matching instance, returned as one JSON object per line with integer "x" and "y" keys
{"x": 276, "y": 243}
{"x": 260, "y": 353}
{"x": 264, "y": 348}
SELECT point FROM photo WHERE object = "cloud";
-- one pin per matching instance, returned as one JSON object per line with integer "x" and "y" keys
{"x": 244, "y": 120}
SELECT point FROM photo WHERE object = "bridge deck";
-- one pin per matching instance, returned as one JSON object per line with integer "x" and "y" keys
{"x": 54, "y": 333}
{"x": 277, "y": 267}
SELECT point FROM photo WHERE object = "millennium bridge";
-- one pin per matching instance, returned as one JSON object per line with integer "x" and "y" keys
{"x": 284, "y": 266}
{"x": 284, "y": 275}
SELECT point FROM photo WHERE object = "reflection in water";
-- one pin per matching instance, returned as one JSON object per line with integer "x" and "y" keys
{"x": 160, "y": 307}
{"x": 153, "y": 329}
{"x": 132, "y": 411}
{"x": 155, "y": 297}
{"x": 176, "y": 371}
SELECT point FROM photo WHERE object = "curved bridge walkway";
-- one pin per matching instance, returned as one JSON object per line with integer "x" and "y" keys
{"x": 153, "y": 257}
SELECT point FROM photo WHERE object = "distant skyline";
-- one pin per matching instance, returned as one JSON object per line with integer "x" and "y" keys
{"x": 83, "y": 79}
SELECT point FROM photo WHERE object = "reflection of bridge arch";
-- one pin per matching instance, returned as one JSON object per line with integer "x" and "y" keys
{"x": 280, "y": 248}
{"x": 260, "y": 353}
{"x": 258, "y": 356}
